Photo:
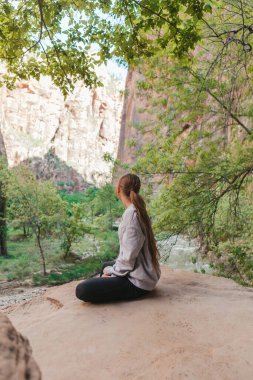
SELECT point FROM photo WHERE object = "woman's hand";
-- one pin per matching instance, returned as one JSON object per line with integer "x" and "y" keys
{"x": 106, "y": 275}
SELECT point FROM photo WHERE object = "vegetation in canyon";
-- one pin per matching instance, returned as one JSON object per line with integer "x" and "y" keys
{"x": 53, "y": 236}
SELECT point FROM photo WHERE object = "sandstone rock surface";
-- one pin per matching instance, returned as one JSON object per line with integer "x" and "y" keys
{"x": 192, "y": 326}
{"x": 16, "y": 361}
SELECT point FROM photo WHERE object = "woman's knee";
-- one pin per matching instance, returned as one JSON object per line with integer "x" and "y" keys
{"x": 82, "y": 291}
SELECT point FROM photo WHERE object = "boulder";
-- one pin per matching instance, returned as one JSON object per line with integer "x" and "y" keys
{"x": 16, "y": 361}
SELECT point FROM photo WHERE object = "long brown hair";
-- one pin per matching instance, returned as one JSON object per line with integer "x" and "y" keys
{"x": 130, "y": 185}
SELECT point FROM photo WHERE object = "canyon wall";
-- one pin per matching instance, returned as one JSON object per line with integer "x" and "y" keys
{"x": 138, "y": 119}
{"x": 65, "y": 140}
{"x": 37, "y": 124}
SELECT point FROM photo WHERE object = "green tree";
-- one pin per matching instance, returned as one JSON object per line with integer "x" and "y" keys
{"x": 35, "y": 203}
{"x": 106, "y": 204}
{"x": 72, "y": 226}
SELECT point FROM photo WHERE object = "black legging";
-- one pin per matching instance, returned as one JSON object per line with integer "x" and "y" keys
{"x": 104, "y": 289}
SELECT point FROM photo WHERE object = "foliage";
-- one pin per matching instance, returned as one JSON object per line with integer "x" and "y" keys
{"x": 106, "y": 206}
{"x": 72, "y": 226}
{"x": 56, "y": 38}
{"x": 80, "y": 197}
{"x": 202, "y": 140}
{"x": 100, "y": 204}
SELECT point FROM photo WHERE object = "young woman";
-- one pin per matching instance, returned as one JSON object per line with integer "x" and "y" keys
{"x": 136, "y": 270}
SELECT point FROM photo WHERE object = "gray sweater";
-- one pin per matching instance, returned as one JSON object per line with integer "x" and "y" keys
{"x": 134, "y": 259}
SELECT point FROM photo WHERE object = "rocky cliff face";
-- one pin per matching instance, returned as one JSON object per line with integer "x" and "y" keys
{"x": 135, "y": 113}
{"x": 137, "y": 117}
{"x": 35, "y": 119}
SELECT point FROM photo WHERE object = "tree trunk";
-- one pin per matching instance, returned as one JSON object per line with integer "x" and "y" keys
{"x": 38, "y": 237}
{"x": 111, "y": 221}
{"x": 3, "y": 225}
{"x": 67, "y": 249}
{"x": 25, "y": 231}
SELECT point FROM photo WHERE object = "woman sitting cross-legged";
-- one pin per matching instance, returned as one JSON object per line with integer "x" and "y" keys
{"x": 136, "y": 270}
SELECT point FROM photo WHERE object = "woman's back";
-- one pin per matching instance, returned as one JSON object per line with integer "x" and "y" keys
{"x": 134, "y": 259}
